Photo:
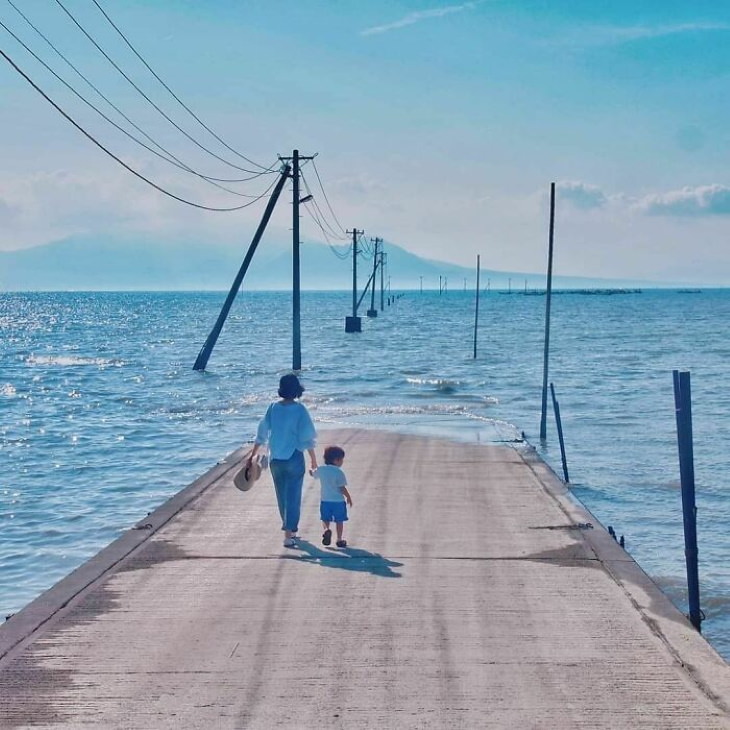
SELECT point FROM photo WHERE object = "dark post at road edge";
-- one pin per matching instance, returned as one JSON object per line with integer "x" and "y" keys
{"x": 683, "y": 407}
{"x": 203, "y": 356}
{"x": 548, "y": 295}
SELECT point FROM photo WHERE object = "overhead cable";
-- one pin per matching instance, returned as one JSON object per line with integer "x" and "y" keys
{"x": 322, "y": 216}
{"x": 325, "y": 196}
{"x": 174, "y": 95}
{"x": 119, "y": 160}
{"x": 111, "y": 103}
{"x": 147, "y": 98}
{"x": 172, "y": 160}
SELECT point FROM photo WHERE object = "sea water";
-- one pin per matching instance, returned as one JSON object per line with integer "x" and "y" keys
{"x": 103, "y": 417}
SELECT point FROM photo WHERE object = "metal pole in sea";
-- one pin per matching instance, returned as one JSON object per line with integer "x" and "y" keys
{"x": 546, "y": 351}
{"x": 476, "y": 309}
{"x": 353, "y": 323}
{"x": 683, "y": 407}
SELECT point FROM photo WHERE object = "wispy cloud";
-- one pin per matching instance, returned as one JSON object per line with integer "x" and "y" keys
{"x": 703, "y": 200}
{"x": 581, "y": 195}
{"x": 607, "y": 35}
{"x": 419, "y": 15}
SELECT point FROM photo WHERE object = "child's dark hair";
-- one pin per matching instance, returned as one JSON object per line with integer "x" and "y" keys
{"x": 333, "y": 453}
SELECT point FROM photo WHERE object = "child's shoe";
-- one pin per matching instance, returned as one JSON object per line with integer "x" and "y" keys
{"x": 341, "y": 543}
{"x": 290, "y": 542}
{"x": 326, "y": 537}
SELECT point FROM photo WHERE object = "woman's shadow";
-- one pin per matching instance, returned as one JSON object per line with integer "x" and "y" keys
{"x": 347, "y": 559}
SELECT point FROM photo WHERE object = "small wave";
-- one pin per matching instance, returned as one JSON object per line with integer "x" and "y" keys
{"x": 71, "y": 361}
{"x": 8, "y": 390}
{"x": 432, "y": 381}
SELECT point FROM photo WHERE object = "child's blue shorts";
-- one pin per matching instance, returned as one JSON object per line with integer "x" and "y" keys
{"x": 333, "y": 511}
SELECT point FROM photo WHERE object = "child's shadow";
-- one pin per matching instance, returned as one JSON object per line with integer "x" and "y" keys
{"x": 347, "y": 559}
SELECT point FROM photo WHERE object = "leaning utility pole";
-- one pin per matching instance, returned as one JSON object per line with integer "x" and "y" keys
{"x": 372, "y": 312}
{"x": 202, "y": 360}
{"x": 354, "y": 323}
{"x": 296, "y": 158}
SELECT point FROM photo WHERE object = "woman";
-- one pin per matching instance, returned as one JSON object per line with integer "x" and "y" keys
{"x": 289, "y": 431}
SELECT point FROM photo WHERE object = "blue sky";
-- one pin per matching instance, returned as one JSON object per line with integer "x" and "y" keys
{"x": 438, "y": 126}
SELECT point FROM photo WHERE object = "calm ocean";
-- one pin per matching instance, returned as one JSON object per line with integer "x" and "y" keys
{"x": 103, "y": 417}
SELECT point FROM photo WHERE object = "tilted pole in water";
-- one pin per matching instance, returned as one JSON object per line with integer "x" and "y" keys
{"x": 372, "y": 312}
{"x": 543, "y": 417}
{"x": 353, "y": 323}
{"x": 381, "y": 263}
{"x": 204, "y": 354}
{"x": 683, "y": 406}
{"x": 476, "y": 308}
{"x": 371, "y": 281}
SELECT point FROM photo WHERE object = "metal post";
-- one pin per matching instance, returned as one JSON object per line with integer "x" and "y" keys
{"x": 381, "y": 263}
{"x": 559, "y": 425}
{"x": 683, "y": 406}
{"x": 476, "y": 308}
{"x": 203, "y": 356}
{"x": 296, "y": 296}
{"x": 543, "y": 416}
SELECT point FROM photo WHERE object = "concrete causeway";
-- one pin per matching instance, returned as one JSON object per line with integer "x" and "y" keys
{"x": 476, "y": 594}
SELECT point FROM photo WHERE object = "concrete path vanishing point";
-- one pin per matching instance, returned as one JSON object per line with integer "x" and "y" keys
{"x": 474, "y": 596}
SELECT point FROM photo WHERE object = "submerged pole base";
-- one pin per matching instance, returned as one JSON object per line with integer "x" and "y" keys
{"x": 353, "y": 324}
{"x": 372, "y": 312}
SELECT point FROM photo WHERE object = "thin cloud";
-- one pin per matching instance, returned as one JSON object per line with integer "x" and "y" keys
{"x": 703, "y": 200}
{"x": 581, "y": 195}
{"x": 616, "y": 35}
{"x": 419, "y": 15}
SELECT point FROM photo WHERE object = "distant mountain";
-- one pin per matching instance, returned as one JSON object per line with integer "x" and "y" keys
{"x": 114, "y": 264}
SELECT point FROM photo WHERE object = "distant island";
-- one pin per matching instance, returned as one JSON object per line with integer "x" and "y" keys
{"x": 87, "y": 263}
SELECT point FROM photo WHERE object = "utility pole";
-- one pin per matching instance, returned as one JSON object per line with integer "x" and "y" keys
{"x": 353, "y": 323}
{"x": 372, "y": 312}
{"x": 383, "y": 260}
{"x": 203, "y": 356}
{"x": 421, "y": 285}
{"x": 548, "y": 295}
{"x": 476, "y": 306}
{"x": 295, "y": 159}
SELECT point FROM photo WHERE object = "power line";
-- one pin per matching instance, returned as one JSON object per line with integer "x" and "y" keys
{"x": 325, "y": 197}
{"x": 174, "y": 95}
{"x": 174, "y": 161}
{"x": 170, "y": 155}
{"x": 322, "y": 216}
{"x": 147, "y": 98}
{"x": 117, "y": 159}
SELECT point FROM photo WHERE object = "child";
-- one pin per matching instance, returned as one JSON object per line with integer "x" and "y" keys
{"x": 332, "y": 508}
